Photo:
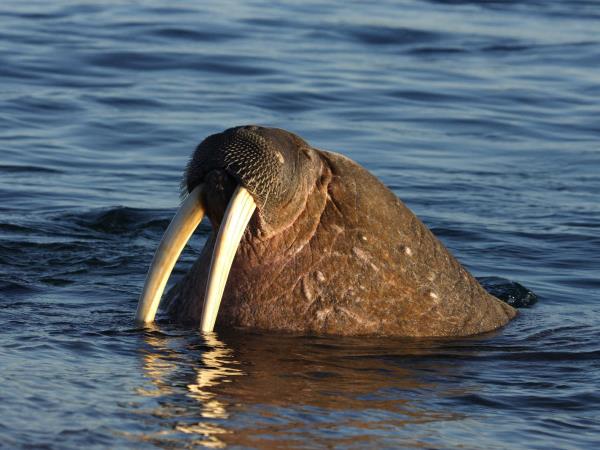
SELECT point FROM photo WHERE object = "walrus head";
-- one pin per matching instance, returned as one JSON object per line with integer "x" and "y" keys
{"x": 232, "y": 176}
{"x": 273, "y": 166}
{"x": 321, "y": 246}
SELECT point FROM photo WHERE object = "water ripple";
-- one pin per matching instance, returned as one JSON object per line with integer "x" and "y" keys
{"x": 481, "y": 115}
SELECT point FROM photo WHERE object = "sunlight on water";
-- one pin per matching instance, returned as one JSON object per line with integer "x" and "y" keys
{"x": 481, "y": 116}
{"x": 215, "y": 366}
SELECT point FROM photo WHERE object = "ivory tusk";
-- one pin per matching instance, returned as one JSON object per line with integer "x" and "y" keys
{"x": 181, "y": 228}
{"x": 236, "y": 218}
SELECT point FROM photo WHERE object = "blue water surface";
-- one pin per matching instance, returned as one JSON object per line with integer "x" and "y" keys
{"x": 483, "y": 116}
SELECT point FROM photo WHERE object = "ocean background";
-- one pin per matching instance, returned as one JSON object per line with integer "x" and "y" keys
{"x": 482, "y": 116}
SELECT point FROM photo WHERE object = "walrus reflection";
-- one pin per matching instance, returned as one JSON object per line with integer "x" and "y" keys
{"x": 207, "y": 367}
{"x": 307, "y": 241}
{"x": 236, "y": 389}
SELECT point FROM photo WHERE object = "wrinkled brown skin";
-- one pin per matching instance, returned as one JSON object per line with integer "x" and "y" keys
{"x": 355, "y": 261}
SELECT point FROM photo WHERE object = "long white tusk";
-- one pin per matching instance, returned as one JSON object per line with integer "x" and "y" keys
{"x": 238, "y": 214}
{"x": 180, "y": 230}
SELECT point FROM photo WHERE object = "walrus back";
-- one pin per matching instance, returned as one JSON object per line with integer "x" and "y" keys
{"x": 417, "y": 287}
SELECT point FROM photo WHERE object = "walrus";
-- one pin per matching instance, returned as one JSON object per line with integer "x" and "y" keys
{"x": 307, "y": 241}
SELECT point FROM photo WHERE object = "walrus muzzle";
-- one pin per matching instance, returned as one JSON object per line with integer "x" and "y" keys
{"x": 186, "y": 220}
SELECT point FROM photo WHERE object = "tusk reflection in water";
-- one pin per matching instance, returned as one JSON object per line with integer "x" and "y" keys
{"x": 156, "y": 366}
{"x": 216, "y": 370}
{"x": 173, "y": 362}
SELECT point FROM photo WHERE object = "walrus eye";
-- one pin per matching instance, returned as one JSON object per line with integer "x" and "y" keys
{"x": 186, "y": 220}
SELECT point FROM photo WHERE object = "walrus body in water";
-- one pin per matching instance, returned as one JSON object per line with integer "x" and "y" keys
{"x": 308, "y": 241}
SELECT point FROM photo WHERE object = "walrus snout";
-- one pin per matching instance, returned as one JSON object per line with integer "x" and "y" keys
{"x": 267, "y": 162}
{"x": 249, "y": 154}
